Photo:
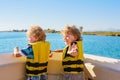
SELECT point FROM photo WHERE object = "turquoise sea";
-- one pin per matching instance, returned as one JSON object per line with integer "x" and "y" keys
{"x": 107, "y": 46}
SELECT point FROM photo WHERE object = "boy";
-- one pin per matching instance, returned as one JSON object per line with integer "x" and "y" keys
{"x": 37, "y": 54}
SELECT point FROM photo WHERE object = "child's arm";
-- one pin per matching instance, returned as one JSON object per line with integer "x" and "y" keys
{"x": 58, "y": 50}
{"x": 55, "y": 51}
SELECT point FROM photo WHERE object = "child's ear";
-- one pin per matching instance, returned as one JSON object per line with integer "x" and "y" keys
{"x": 37, "y": 38}
{"x": 75, "y": 37}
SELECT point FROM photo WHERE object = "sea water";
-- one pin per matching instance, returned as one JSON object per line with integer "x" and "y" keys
{"x": 107, "y": 46}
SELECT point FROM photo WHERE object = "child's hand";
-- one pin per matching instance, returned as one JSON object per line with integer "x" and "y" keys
{"x": 74, "y": 54}
{"x": 17, "y": 55}
{"x": 16, "y": 52}
{"x": 50, "y": 55}
{"x": 73, "y": 50}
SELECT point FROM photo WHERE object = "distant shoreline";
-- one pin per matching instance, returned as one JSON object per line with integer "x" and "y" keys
{"x": 102, "y": 33}
{"x": 25, "y": 30}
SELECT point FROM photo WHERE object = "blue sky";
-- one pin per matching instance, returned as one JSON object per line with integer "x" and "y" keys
{"x": 93, "y": 15}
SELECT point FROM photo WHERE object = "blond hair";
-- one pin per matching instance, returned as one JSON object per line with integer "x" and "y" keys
{"x": 72, "y": 30}
{"x": 37, "y": 32}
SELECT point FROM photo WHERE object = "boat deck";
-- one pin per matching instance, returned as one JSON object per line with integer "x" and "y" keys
{"x": 96, "y": 67}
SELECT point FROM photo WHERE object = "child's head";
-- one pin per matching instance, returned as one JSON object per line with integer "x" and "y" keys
{"x": 71, "y": 34}
{"x": 35, "y": 33}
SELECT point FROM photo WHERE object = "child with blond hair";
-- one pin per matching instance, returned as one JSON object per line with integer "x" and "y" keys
{"x": 72, "y": 57}
{"x": 37, "y": 54}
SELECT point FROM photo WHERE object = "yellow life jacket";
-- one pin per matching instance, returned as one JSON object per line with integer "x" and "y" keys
{"x": 38, "y": 65}
{"x": 73, "y": 65}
